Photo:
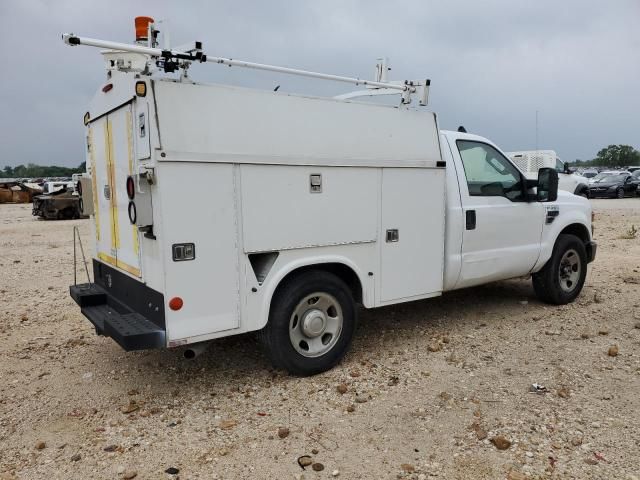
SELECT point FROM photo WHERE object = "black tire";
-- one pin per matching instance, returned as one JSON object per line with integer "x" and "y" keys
{"x": 620, "y": 193}
{"x": 288, "y": 300}
{"x": 547, "y": 282}
{"x": 583, "y": 192}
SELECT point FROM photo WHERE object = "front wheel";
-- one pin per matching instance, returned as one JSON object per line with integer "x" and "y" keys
{"x": 561, "y": 280}
{"x": 311, "y": 323}
{"x": 620, "y": 193}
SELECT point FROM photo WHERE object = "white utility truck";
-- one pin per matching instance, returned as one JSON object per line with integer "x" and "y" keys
{"x": 531, "y": 161}
{"x": 221, "y": 210}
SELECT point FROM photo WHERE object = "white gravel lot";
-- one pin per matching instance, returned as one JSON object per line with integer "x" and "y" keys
{"x": 74, "y": 405}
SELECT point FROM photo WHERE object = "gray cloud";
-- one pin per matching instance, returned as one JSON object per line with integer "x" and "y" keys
{"x": 492, "y": 63}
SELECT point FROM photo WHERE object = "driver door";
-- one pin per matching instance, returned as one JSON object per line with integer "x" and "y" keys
{"x": 502, "y": 231}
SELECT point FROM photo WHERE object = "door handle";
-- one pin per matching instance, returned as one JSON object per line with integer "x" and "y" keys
{"x": 470, "y": 219}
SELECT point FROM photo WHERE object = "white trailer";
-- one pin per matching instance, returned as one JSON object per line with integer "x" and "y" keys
{"x": 531, "y": 161}
{"x": 221, "y": 210}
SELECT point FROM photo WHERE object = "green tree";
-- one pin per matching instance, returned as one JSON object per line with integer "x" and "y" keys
{"x": 618, "y": 156}
{"x": 39, "y": 171}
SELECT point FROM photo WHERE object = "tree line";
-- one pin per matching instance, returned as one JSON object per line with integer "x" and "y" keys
{"x": 613, "y": 156}
{"x": 40, "y": 171}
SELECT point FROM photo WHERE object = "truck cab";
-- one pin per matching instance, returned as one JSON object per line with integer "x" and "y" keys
{"x": 495, "y": 229}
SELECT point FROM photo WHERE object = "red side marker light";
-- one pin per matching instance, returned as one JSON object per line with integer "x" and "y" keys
{"x": 107, "y": 87}
{"x": 131, "y": 188}
{"x": 175, "y": 303}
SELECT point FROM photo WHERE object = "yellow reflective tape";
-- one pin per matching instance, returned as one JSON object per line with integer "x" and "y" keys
{"x": 136, "y": 245}
{"x": 107, "y": 258}
{"x": 115, "y": 230}
{"x": 94, "y": 184}
{"x": 107, "y": 158}
{"x": 128, "y": 268}
{"x": 119, "y": 263}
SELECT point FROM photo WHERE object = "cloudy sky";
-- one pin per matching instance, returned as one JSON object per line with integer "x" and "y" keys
{"x": 492, "y": 63}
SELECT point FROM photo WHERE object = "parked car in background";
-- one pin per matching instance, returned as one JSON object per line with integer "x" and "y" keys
{"x": 633, "y": 169}
{"x": 606, "y": 173}
{"x": 531, "y": 161}
{"x": 636, "y": 178}
{"x": 614, "y": 185}
{"x": 589, "y": 173}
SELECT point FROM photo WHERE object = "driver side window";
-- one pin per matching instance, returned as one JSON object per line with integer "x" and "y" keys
{"x": 488, "y": 172}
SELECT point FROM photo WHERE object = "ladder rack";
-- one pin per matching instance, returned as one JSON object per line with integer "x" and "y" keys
{"x": 171, "y": 61}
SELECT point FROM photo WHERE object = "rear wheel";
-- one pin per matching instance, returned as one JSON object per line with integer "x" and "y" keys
{"x": 311, "y": 323}
{"x": 561, "y": 280}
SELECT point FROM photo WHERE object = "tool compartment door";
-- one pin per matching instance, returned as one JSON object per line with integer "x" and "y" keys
{"x": 98, "y": 155}
{"x": 412, "y": 243}
{"x": 118, "y": 242}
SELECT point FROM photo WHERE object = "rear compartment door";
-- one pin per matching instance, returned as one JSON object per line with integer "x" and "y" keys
{"x": 113, "y": 142}
{"x": 98, "y": 153}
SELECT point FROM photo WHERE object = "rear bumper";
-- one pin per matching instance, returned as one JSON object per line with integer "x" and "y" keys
{"x": 591, "y": 247}
{"x": 122, "y": 308}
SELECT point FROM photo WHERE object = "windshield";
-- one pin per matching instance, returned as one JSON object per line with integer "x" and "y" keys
{"x": 636, "y": 174}
{"x": 610, "y": 179}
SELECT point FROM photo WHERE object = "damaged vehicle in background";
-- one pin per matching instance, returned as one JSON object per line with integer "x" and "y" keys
{"x": 63, "y": 204}
{"x": 17, "y": 192}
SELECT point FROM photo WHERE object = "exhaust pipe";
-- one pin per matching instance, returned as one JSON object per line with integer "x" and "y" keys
{"x": 195, "y": 350}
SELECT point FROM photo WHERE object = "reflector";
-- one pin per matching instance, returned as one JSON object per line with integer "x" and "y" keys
{"x": 141, "y": 89}
{"x": 131, "y": 188}
{"x": 176, "y": 303}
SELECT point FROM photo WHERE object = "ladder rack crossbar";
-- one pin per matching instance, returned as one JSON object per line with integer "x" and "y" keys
{"x": 72, "y": 40}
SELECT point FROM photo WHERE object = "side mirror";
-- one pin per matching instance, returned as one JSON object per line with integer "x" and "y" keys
{"x": 547, "y": 185}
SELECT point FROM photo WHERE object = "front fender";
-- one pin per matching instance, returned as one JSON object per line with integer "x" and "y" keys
{"x": 581, "y": 187}
{"x": 550, "y": 232}
{"x": 281, "y": 270}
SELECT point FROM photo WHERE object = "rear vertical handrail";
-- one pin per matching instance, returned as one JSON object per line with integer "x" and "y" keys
{"x": 76, "y": 234}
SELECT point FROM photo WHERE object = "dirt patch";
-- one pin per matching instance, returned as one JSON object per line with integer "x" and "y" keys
{"x": 393, "y": 409}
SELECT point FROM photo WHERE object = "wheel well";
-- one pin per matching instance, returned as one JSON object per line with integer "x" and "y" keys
{"x": 578, "y": 230}
{"x": 582, "y": 233}
{"x": 581, "y": 188}
{"x": 345, "y": 273}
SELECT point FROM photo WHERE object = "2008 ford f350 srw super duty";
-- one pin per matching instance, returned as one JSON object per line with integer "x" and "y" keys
{"x": 221, "y": 210}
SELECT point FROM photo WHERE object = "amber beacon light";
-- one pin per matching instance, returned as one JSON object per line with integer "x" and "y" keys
{"x": 142, "y": 28}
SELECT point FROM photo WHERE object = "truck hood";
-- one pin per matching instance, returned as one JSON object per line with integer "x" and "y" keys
{"x": 568, "y": 198}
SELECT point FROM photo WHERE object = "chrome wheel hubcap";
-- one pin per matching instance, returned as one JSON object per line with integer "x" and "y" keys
{"x": 316, "y": 324}
{"x": 569, "y": 270}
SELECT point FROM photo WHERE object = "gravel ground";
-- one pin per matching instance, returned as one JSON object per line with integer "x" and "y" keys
{"x": 436, "y": 388}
